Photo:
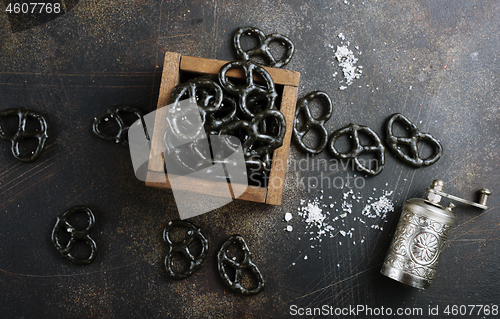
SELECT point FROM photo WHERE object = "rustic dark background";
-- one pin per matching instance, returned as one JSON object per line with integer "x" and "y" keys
{"x": 435, "y": 61}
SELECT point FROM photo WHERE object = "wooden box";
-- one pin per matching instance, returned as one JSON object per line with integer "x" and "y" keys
{"x": 174, "y": 67}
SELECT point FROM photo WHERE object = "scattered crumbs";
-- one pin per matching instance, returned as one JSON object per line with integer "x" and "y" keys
{"x": 293, "y": 264}
{"x": 289, "y": 228}
{"x": 338, "y": 265}
{"x": 305, "y": 257}
{"x": 288, "y": 217}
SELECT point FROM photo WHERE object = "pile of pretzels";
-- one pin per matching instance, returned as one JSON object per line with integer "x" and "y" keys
{"x": 244, "y": 108}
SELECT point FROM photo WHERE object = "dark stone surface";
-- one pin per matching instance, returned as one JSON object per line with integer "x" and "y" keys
{"x": 434, "y": 62}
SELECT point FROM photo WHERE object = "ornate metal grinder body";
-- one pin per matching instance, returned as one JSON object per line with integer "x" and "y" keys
{"x": 421, "y": 236}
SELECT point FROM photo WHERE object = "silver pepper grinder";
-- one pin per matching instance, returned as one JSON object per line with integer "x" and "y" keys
{"x": 421, "y": 236}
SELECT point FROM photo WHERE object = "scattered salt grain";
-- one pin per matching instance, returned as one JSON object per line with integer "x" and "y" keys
{"x": 347, "y": 61}
{"x": 288, "y": 217}
{"x": 326, "y": 218}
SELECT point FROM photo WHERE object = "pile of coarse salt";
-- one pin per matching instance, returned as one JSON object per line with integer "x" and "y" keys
{"x": 316, "y": 223}
{"x": 326, "y": 218}
{"x": 347, "y": 61}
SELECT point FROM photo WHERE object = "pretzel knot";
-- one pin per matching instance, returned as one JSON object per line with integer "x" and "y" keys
{"x": 262, "y": 48}
{"x": 226, "y": 114}
{"x": 182, "y": 247}
{"x": 256, "y": 142}
{"x": 115, "y": 113}
{"x": 207, "y": 94}
{"x": 191, "y": 156}
{"x": 76, "y": 235}
{"x": 311, "y": 122}
{"x": 22, "y": 133}
{"x": 246, "y": 264}
{"x": 357, "y": 149}
{"x": 251, "y": 91}
{"x": 416, "y": 136}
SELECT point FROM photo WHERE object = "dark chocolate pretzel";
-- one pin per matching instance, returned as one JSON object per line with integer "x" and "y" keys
{"x": 224, "y": 261}
{"x": 187, "y": 156}
{"x": 416, "y": 136}
{"x": 358, "y": 149}
{"x": 113, "y": 112}
{"x": 250, "y": 87}
{"x": 207, "y": 95}
{"x": 76, "y": 235}
{"x": 22, "y": 133}
{"x": 311, "y": 122}
{"x": 258, "y": 166}
{"x": 182, "y": 247}
{"x": 215, "y": 121}
{"x": 262, "y": 48}
{"x": 255, "y": 142}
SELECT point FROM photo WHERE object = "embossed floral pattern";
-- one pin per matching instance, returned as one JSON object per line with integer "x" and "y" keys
{"x": 425, "y": 247}
{"x": 412, "y": 251}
